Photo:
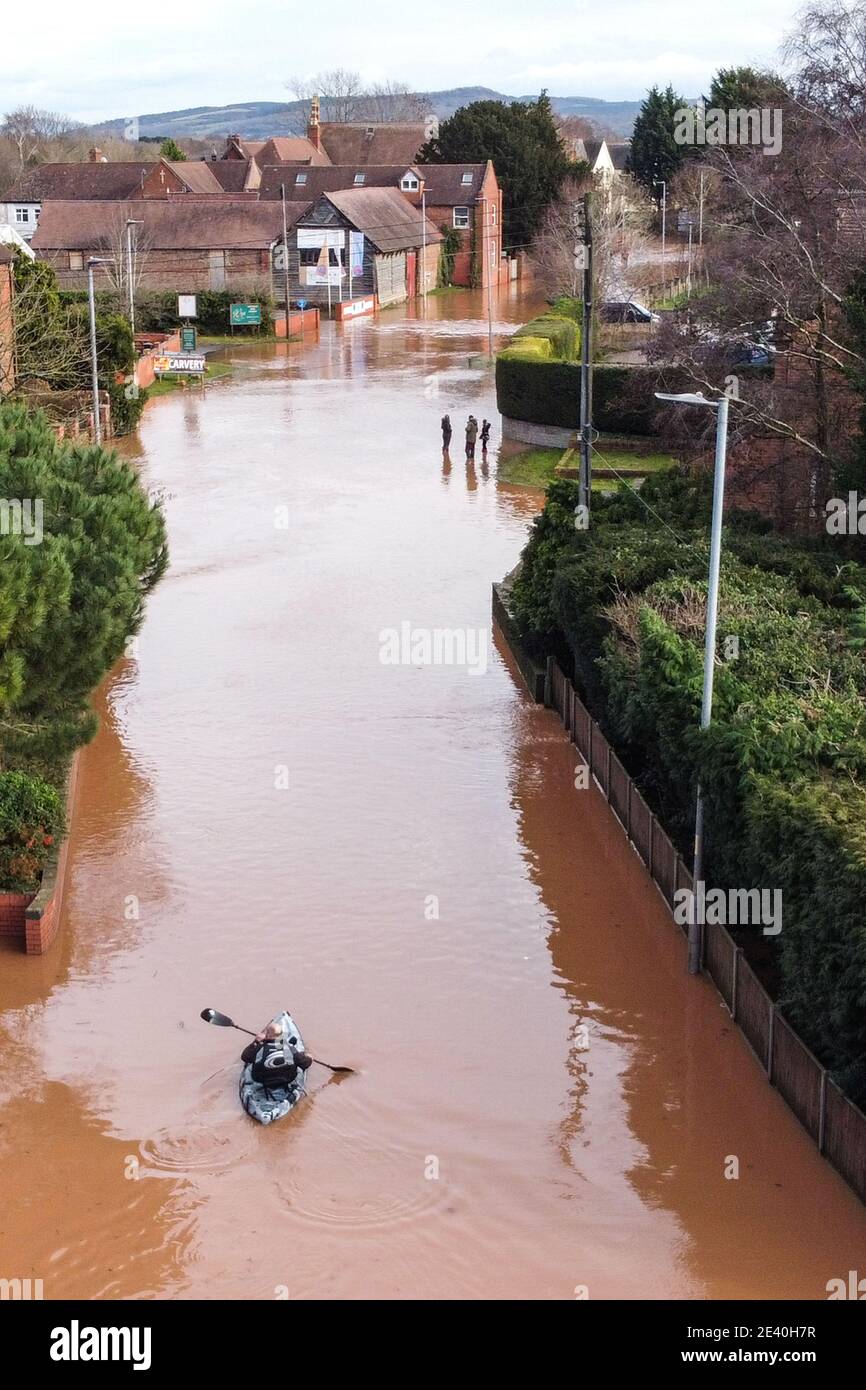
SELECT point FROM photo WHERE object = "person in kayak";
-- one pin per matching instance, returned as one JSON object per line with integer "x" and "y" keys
{"x": 273, "y": 1058}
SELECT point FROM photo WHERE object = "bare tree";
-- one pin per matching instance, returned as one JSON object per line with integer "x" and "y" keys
{"x": 620, "y": 224}
{"x": 30, "y": 129}
{"x": 113, "y": 244}
{"x": 338, "y": 90}
{"x": 392, "y": 101}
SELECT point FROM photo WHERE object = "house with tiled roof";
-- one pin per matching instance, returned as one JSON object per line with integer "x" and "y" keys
{"x": 358, "y": 242}
{"x": 185, "y": 244}
{"x": 464, "y": 200}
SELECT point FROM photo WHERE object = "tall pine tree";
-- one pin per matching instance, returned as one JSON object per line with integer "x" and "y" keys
{"x": 523, "y": 142}
{"x": 655, "y": 154}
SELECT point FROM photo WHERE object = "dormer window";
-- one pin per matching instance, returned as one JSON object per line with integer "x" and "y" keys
{"x": 467, "y": 178}
{"x": 300, "y": 178}
{"x": 359, "y": 179}
{"x": 409, "y": 183}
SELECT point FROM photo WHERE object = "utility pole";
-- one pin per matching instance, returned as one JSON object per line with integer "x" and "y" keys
{"x": 94, "y": 367}
{"x": 285, "y": 259}
{"x": 130, "y": 223}
{"x": 585, "y": 252}
{"x": 701, "y": 211}
{"x": 689, "y": 270}
{"x": 662, "y": 183}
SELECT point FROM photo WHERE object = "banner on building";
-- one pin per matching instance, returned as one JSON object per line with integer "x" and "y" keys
{"x": 356, "y": 254}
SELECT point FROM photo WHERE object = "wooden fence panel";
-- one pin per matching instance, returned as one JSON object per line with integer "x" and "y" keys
{"x": 581, "y": 730}
{"x": 664, "y": 863}
{"x": 641, "y": 825}
{"x": 845, "y": 1138}
{"x": 753, "y": 1010}
{"x": 600, "y": 751}
{"x": 719, "y": 959}
{"x": 618, "y": 791}
{"x": 797, "y": 1075}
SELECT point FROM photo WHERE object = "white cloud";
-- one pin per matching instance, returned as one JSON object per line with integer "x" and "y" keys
{"x": 107, "y": 60}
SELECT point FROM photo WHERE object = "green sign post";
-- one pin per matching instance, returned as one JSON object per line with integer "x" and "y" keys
{"x": 188, "y": 340}
{"x": 245, "y": 315}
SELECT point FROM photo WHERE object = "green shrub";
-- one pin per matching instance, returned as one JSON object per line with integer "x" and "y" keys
{"x": 31, "y": 820}
{"x": 548, "y": 393}
{"x": 783, "y": 763}
{"x": 562, "y": 333}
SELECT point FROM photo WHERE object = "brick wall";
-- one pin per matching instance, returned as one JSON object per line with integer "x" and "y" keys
{"x": 245, "y": 270}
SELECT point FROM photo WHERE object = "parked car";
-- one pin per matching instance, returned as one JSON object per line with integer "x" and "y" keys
{"x": 626, "y": 311}
{"x": 756, "y": 354}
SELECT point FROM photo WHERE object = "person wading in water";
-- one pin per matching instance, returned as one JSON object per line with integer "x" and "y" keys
{"x": 446, "y": 433}
{"x": 471, "y": 436}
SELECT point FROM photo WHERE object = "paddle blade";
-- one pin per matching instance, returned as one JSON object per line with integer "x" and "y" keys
{"x": 221, "y": 1020}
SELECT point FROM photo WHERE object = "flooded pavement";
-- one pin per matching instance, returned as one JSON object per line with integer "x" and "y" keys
{"x": 273, "y": 817}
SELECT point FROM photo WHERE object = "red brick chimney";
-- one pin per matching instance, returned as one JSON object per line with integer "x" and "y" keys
{"x": 95, "y": 156}
{"x": 314, "y": 134}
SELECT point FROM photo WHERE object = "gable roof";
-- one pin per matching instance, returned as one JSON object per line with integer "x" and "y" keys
{"x": 84, "y": 179}
{"x": 385, "y": 217}
{"x": 329, "y": 179}
{"x": 187, "y": 223}
{"x": 197, "y": 175}
{"x": 282, "y": 148}
{"x": 360, "y": 142}
{"x": 233, "y": 175}
{"x": 444, "y": 186}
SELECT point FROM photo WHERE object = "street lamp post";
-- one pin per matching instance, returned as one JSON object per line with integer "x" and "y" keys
{"x": 94, "y": 372}
{"x": 662, "y": 184}
{"x": 130, "y": 223}
{"x": 721, "y": 408}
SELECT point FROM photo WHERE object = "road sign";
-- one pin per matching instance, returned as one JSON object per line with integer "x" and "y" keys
{"x": 241, "y": 314}
{"x": 188, "y": 340}
{"x": 181, "y": 364}
{"x": 186, "y": 308}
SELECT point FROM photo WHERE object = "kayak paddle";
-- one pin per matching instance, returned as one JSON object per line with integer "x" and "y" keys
{"x": 223, "y": 1021}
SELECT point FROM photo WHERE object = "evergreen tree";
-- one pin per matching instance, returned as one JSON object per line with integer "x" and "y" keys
{"x": 522, "y": 140}
{"x": 171, "y": 150}
{"x": 69, "y": 602}
{"x": 745, "y": 89}
{"x": 655, "y": 154}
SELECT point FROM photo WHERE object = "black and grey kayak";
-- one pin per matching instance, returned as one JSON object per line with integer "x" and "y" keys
{"x": 269, "y": 1103}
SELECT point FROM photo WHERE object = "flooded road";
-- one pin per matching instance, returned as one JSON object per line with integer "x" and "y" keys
{"x": 272, "y": 817}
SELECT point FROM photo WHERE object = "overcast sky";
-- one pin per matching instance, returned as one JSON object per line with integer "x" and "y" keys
{"x": 101, "y": 59}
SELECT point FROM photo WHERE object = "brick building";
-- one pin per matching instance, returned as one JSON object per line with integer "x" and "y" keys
{"x": 462, "y": 198}
{"x": 185, "y": 244}
{"x": 360, "y": 242}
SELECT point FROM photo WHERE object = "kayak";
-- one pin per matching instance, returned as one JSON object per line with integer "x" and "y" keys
{"x": 267, "y": 1104}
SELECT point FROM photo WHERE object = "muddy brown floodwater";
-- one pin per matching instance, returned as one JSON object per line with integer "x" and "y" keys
{"x": 545, "y": 1099}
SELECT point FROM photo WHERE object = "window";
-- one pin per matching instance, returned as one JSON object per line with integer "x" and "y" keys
{"x": 22, "y": 214}
{"x": 76, "y": 260}
{"x": 300, "y": 178}
{"x": 461, "y": 217}
{"x": 409, "y": 183}
{"x": 359, "y": 178}
{"x": 310, "y": 255}
{"x": 493, "y": 213}
{"x": 467, "y": 178}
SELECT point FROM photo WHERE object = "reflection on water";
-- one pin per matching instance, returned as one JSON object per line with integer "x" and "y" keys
{"x": 272, "y": 818}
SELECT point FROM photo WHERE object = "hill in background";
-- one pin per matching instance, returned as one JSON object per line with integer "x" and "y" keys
{"x": 257, "y": 120}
